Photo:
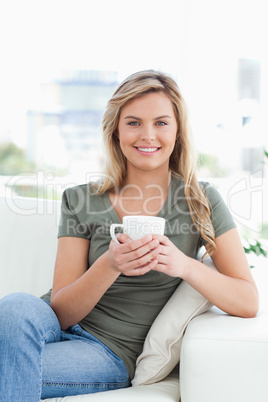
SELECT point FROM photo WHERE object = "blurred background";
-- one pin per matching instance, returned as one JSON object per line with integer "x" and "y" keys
{"x": 62, "y": 60}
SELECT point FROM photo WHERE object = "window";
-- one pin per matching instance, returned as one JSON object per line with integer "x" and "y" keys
{"x": 62, "y": 60}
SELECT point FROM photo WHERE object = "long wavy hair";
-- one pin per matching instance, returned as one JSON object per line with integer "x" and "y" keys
{"x": 182, "y": 163}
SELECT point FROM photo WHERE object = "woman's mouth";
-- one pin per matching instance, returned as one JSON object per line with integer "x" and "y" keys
{"x": 148, "y": 150}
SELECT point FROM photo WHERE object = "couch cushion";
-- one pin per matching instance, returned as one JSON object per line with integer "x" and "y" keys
{"x": 167, "y": 390}
{"x": 28, "y": 240}
{"x": 161, "y": 351}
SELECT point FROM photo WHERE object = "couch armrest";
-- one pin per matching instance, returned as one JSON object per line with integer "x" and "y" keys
{"x": 225, "y": 358}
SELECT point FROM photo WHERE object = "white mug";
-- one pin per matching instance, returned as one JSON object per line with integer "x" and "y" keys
{"x": 138, "y": 226}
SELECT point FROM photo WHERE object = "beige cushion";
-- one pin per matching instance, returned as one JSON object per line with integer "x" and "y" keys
{"x": 161, "y": 351}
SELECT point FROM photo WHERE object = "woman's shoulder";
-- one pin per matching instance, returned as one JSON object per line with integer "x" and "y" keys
{"x": 80, "y": 196}
{"x": 179, "y": 183}
{"x": 210, "y": 190}
{"x": 86, "y": 189}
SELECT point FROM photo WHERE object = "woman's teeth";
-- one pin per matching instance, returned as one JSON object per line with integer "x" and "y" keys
{"x": 148, "y": 149}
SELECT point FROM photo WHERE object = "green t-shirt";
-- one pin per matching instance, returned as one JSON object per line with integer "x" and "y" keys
{"x": 125, "y": 313}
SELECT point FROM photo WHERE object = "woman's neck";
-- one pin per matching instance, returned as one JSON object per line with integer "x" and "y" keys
{"x": 146, "y": 180}
{"x": 142, "y": 194}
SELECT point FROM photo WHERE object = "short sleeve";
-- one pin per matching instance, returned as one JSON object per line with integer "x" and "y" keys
{"x": 73, "y": 209}
{"x": 221, "y": 217}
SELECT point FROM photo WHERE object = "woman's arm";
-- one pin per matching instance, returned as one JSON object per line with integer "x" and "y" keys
{"x": 76, "y": 289}
{"x": 232, "y": 289}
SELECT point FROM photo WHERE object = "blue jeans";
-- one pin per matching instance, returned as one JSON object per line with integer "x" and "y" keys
{"x": 39, "y": 360}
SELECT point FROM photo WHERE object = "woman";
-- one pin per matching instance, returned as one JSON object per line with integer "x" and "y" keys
{"x": 105, "y": 295}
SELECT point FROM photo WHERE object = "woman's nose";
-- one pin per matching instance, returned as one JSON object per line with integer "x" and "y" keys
{"x": 148, "y": 133}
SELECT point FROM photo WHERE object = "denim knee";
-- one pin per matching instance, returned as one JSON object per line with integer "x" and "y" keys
{"x": 15, "y": 306}
{"x": 19, "y": 311}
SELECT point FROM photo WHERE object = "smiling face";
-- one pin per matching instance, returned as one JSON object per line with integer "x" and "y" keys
{"x": 147, "y": 131}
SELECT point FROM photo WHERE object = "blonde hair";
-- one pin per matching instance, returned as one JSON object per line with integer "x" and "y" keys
{"x": 182, "y": 161}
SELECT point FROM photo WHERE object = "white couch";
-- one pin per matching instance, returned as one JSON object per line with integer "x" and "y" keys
{"x": 222, "y": 358}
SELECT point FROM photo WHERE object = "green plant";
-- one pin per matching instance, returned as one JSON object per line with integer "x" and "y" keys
{"x": 255, "y": 246}
{"x": 13, "y": 160}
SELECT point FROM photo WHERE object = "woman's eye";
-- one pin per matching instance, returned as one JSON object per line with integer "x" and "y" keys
{"x": 161, "y": 123}
{"x": 133, "y": 123}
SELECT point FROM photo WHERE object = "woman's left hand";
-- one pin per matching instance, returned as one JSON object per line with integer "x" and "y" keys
{"x": 171, "y": 260}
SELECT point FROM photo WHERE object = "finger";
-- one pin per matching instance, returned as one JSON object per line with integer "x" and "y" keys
{"x": 142, "y": 260}
{"x": 163, "y": 250}
{"x": 160, "y": 267}
{"x": 123, "y": 238}
{"x": 142, "y": 251}
{"x": 145, "y": 258}
{"x": 143, "y": 270}
{"x": 136, "y": 244}
{"x": 162, "y": 239}
{"x": 162, "y": 259}
{"x": 129, "y": 259}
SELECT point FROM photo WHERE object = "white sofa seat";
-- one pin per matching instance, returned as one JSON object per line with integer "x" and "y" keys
{"x": 223, "y": 358}
{"x": 165, "y": 391}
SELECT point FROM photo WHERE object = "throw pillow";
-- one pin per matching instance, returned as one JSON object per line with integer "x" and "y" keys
{"x": 161, "y": 350}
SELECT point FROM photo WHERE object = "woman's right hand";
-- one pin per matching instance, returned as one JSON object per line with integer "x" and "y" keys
{"x": 76, "y": 289}
{"x": 133, "y": 257}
